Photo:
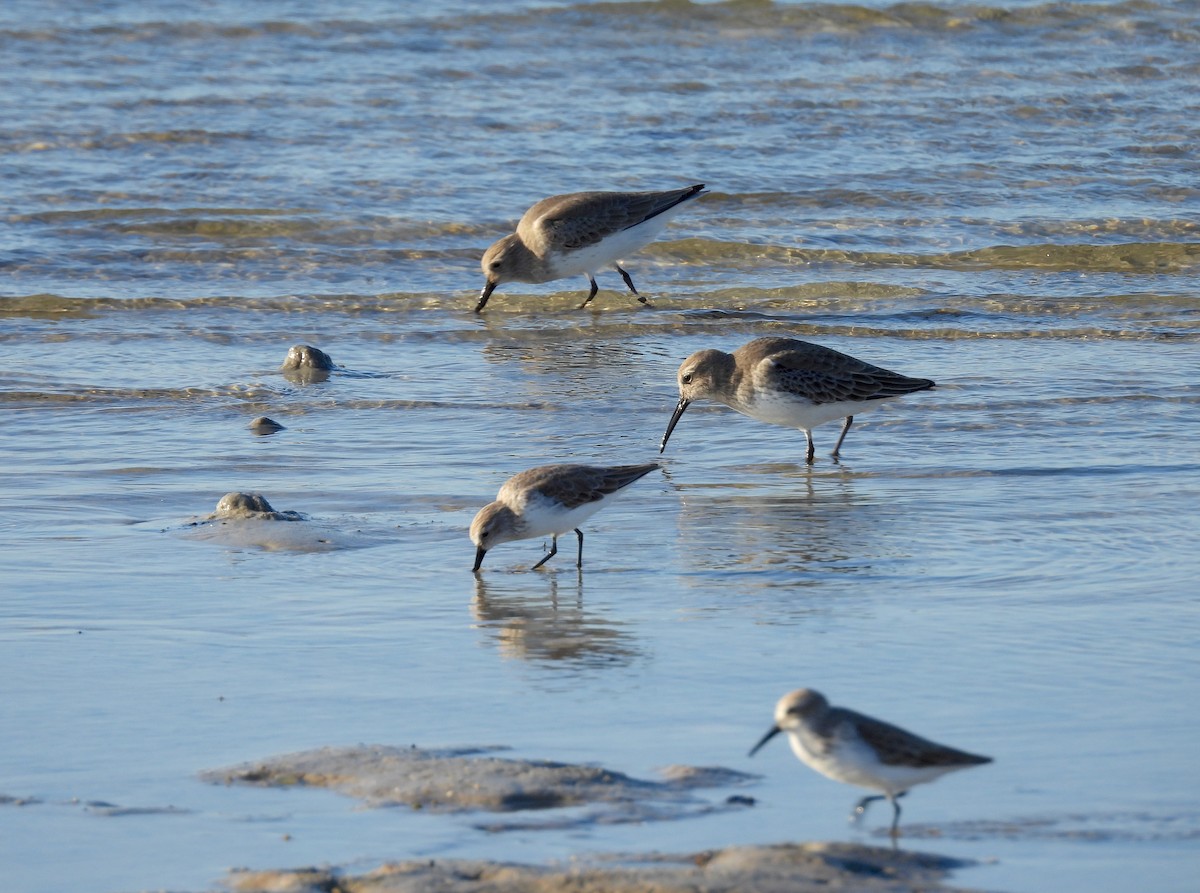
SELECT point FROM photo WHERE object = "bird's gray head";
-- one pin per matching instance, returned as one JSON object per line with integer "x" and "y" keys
{"x": 705, "y": 374}
{"x": 494, "y": 524}
{"x": 500, "y": 260}
{"x": 501, "y": 263}
{"x": 792, "y": 711}
{"x": 797, "y": 706}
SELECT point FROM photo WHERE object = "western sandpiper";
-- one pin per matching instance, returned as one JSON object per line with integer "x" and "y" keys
{"x": 861, "y": 750}
{"x": 791, "y": 383}
{"x": 549, "y": 501}
{"x": 581, "y": 232}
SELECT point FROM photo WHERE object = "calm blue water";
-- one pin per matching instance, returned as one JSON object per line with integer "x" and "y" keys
{"x": 1002, "y": 198}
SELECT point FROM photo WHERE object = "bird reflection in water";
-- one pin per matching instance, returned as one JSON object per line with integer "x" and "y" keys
{"x": 800, "y": 525}
{"x": 550, "y": 628}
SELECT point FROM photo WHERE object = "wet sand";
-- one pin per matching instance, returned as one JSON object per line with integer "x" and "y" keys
{"x": 474, "y": 779}
{"x": 782, "y": 868}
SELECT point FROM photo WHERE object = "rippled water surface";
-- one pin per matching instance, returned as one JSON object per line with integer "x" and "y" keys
{"x": 1003, "y": 198}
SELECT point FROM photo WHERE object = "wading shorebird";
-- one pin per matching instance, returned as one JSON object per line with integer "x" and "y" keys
{"x": 858, "y": 749}
{"x": 580, "y": 233}
{"x": 549, "y": 501}
{"x": 790, "y": 383}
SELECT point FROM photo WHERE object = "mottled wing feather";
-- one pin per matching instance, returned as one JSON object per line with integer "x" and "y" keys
{"x": 896, "y": 747}
{"x": 570, "y": 222}
{"x": 576, "y": 485}
{"x": 823, "y": 375}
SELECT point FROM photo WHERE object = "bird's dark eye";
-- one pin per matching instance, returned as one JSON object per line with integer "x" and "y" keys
{"x": 483, "y": 535}
{"x": 494, "y": 265}
{"x": 687, "y": 378}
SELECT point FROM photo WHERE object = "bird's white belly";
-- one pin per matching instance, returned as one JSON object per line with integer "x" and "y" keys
{"x": 544, "y": 517}
{"x": 798, "y": 412}
{"x": 608, "y": 250}
{"x": 853, "y": 762}
{"x": 850, "y": 763}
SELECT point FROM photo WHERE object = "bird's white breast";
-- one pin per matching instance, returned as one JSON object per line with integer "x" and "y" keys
{"x": 849, "y": 761}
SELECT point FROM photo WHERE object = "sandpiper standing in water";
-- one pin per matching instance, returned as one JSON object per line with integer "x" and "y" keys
{"x": 580, "y": 233}
{"x": 549, "y": 501}
{"x": 791, "y": 383}
{"x": 861, "y": 750}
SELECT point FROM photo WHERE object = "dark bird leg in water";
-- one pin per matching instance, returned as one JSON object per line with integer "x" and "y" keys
{"x": 845, "y": 428}
{"x": 629, "y": 282}
{"x": 553, "y": 551}
{"x": 860, "y": 808}
{"x": 591, "y": 292}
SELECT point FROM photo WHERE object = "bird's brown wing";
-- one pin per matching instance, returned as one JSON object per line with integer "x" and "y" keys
{"x": 580, "y": 219}
{"x": 576, "y": 485}
{"x": 897, "y": 747}
{"x": 823, "y": 375}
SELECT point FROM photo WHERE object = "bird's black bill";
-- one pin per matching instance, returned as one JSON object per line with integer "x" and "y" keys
{"x": 775, "y": 730}
{"x": 488, "y": 288}
{"x": 479, "y": 553}
{"x": 675, "y": 416}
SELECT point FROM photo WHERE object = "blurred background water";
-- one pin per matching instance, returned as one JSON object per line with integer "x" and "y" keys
{"x": 1002, "y": 198}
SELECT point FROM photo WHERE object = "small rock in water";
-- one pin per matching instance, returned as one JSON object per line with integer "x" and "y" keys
{"x": 247, "y": 520}
{"x": 263, "y": 426}
{"x": 305, "y": 356}
{"x": 241, "y": 503}
{"x": 306, "y": 363}
{"x": 247, "y": 506}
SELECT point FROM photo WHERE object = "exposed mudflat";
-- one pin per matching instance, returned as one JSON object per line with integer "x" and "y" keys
{"x": 458, "y": 780}
{"x": 475, "y": 779}
{"x": 782, "y": 868}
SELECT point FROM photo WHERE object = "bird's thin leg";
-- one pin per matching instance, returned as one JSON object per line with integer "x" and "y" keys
{"x": 591, "y": 292}
{"x": 845, "y": 428}
{"x": 812, "y": 450}
{"x": 895, "y": 816}
{"x": 629, "y": 282}
{"x": 579, "y": 560}
{"x": 553, "y": 551}
{"x": 860, "y": 808}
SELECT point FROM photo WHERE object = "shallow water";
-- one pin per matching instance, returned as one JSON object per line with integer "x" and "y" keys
{"x": 1001, "y": 198}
